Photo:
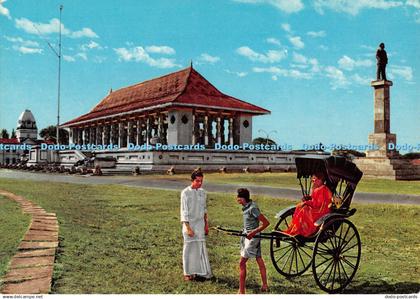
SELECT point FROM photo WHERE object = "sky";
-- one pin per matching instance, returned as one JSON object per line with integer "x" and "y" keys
{"x": 309, "y": 62}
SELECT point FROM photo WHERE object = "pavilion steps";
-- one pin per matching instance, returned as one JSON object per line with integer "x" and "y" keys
{"x": 400, "y": 169}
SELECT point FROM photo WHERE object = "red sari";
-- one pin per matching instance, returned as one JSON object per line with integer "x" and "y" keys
{"x": 313, "y": 209}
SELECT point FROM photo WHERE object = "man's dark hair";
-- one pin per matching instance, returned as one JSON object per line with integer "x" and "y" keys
{"x": 244, "y": 193}
{"x": 196, "y": 173}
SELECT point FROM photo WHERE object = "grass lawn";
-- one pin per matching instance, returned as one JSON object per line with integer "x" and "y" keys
{"x": 288, "y": 180}
{"x": 13, "y": 225}
{"x": 117, "y": 239}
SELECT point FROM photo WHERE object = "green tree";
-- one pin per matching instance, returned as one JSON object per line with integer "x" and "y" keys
{"x": 13, "y": 134}
{"x": 4, "y": 133}
{"x": 50, "y": 133}
{"x": 262, "y": 140}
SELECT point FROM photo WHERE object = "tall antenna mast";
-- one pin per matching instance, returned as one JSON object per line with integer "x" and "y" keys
{"x": 59, "y": 81}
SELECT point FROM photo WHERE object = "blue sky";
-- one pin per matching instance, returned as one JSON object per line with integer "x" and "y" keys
{"x": 309, "y": 62}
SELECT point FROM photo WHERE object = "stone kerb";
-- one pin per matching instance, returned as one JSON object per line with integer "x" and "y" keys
{"x": 31, "y": 268}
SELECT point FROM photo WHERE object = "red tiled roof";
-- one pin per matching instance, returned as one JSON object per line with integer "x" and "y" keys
{"x": 182, "y": 88}
{"x": 9, "y": 141}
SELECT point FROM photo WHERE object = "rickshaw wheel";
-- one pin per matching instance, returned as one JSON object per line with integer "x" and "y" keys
{"x": 336, "y": 255}
{"x": 290, "y": 257}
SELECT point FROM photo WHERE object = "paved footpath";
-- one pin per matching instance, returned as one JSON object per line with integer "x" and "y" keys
{"x": 171, "y": 183}
{"x": 30, "y": 270}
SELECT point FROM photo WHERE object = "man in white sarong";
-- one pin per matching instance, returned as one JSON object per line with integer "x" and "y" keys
{"x": 194, "y": 229}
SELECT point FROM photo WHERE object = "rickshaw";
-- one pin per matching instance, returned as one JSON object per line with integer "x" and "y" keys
{"x": 334, "y": 251}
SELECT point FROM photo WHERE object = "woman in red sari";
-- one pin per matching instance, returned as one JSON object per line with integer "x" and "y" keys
{"x": 309, "y": 211}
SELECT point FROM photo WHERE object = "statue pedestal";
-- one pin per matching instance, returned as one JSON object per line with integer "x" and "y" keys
{"x": 381, "y": 135}
{"x": 385, "y": 162}
{"x": 382, "y": 141}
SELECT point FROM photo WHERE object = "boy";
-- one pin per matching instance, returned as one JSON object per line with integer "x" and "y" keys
{"x": 250, "y": 246}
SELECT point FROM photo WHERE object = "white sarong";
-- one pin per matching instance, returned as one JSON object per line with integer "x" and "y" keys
{"x": 194, "y": 256}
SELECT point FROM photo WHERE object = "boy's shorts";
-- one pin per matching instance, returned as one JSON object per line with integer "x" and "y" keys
{"x": 250, "y": 248}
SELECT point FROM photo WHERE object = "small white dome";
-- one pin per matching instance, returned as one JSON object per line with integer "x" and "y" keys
{"x": 26, "y": 120}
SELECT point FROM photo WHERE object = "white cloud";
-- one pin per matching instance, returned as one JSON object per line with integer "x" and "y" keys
{"x": 316, "y": 33}
{"x": 297, "y": 42}
{"x": 287, "y": 6}
{"x": 276, "y": 71}
{"x": 271, "y": 69}
{"x": 52, "y": 27}
{"x": 91, "y": 45}
{"x": 161, "y": 50}
{"x": 369, "y": 48}
{"x": 405, "y": 72}
{"x": 3, "y": 10}
{"x": 208, "y": 58}
{"x": 299, "y": 75}
{"x": 356, "y": 78}
{"x": 271, "y": 56}
{"x": 40, "y": 28}
{"x": 323, "y": 47}
{"x": 349, "y": 64}
{"x": 273, "y": 41}
{"x": 82, "y": 55}
{"x": 24, "y": 46}
{"x": 417, "y": 17}
{"x": 27, "y": 50}
{"x": 239, "y": 74}
{"x": 353, "y": 7}
{"x": 315, "y": 65}
{"x": 85, "y": 32}
{"x": 305, "y": 62}
{"x": 299, "y": 58}
{"x": 69, "y": 58}
{"x": 286, "y": 27}
{"x": 21, "y": 41}
{"x": 414, "y": 3}
{"x": 337, "y": 77}
{"x": 139, "y": 54}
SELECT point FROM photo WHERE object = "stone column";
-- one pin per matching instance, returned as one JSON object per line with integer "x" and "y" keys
{"x": 195, "y": 128}
{"x": 206, "y": 130}
{"x": 111, "y": 133}
{"x": 218, "y": 131}
{"x": 147, "y": 131}
{"x": 230, "y": 131}
{"x": 72, "y": 135}
{"x": 159, "y": 128}
{"x": 222, "y": 130}
{"x": 87, "y": 135}
{"x": 120, "y": 134}
{"x": 108, "y": 138}
{"x": 91, "y": 135}
{"x": 129, "y": 131}
{"x": 164, "y": 128}
{"x": 80, "y": 136}
{"x": 210, "y": 131}
{"x": 382, "y": 135}
{"x": 104, "y": 134}
{"x": 139, "y": 139}
{"x": 99, "y": 134}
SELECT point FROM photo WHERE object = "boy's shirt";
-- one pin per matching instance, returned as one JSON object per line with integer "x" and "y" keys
{"x": 251, "y": 212}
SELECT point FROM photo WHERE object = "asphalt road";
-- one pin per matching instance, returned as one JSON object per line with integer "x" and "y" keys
{"x": 169, "y": 183}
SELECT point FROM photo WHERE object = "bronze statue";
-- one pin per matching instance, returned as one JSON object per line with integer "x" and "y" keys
{"x": 381, "y": 62}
